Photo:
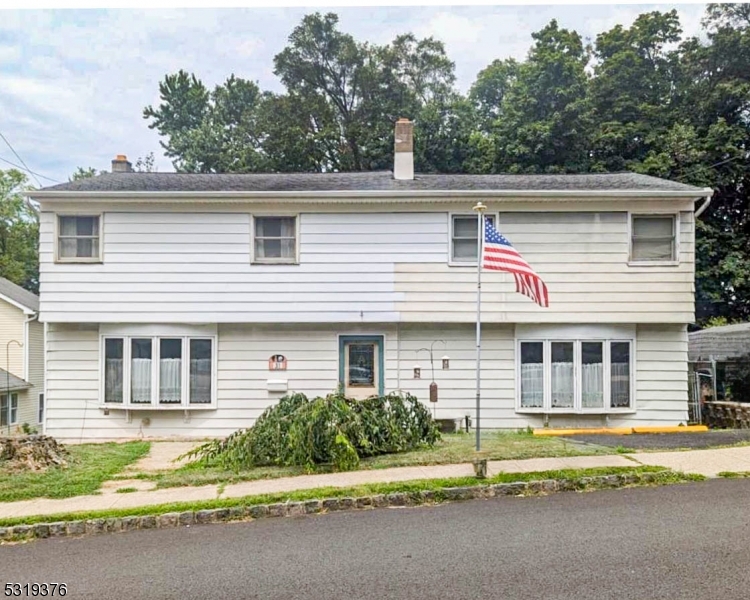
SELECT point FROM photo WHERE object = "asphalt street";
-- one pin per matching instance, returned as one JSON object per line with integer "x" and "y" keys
{"x": 688, "y": 541}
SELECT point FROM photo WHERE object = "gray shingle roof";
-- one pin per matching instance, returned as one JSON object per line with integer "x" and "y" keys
{"x": 723, "y": 343}
{"x": 19, "y": 295}
{"x": 8, "y": 381}
{"x": 368, "y": 181}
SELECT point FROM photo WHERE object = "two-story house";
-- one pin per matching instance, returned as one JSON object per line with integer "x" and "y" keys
{"x": 22, "y": 359}
{"x": 185, "y": 304}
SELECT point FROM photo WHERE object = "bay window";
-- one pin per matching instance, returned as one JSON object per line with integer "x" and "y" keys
{"x": 575, "y": 376}
{"x": 152, "y": 372}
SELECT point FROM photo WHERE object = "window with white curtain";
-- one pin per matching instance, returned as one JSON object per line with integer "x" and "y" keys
{"x": 654, "y": 238}
{"x": 575, "y": 376}
{"x": 275, "y": 239}
{"x": 78, "y": 238}
{"x": 141, "y": 351}
{"x": 170, "y": 371}
{"x": 139, "y": 371}
{"x": 562, "y": 390}
{"x": 114, "y": 370}
{"x": 532, "y": 374}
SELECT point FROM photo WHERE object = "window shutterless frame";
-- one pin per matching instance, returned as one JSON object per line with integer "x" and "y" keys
{"x": 577, "y": 407}
{"x": 675, "y": 240}
{"x": 82, "y": 259}
{"x": 451, "y": 237}
{"x": 274, "y": 261}
{"x": 155, "y": 404}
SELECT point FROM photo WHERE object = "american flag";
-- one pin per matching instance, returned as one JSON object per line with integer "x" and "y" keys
{"x": 500, "y": 255}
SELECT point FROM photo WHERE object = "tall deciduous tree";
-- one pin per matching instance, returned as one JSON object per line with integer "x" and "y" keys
{"x": 19, "y": 232}
{"x": 544, "y": 120}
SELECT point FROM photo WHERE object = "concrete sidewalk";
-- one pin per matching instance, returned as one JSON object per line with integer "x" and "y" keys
{"x": 704, "y": 462}
{"x": 48, "y": 506}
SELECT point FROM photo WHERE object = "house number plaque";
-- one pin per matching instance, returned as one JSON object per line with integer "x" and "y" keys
{"x": 277, "y": 363}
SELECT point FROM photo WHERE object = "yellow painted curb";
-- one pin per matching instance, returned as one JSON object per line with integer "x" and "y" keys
{"x": 622, "y": 430}
{"x": 672, "y": 429}
{"x": 610, "y": 431}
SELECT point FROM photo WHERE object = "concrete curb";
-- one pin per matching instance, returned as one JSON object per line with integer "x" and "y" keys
{"x": 171, "y": 520}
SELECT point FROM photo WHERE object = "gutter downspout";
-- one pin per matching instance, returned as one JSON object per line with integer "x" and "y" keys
{"x": 703, "y": 206}
{"x": 26, "y": 322}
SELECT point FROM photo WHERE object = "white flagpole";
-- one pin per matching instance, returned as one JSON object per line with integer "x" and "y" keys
{"x": 480, "y": 208}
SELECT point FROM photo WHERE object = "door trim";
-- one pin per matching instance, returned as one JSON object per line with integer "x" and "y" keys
{"x": 380, "y": 340}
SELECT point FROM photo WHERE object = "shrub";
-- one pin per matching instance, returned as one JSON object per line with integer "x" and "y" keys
{"x": 333, "y": 430}
{"x": 738, "y": 379}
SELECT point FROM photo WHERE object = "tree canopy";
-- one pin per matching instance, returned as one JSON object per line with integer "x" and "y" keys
{"x": 19, "y": 232}
{"x": 643, "y": 98}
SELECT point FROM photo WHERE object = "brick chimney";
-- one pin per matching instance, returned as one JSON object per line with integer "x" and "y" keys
{"x": 120, "y": 164}
{"x": 403, "y": 157}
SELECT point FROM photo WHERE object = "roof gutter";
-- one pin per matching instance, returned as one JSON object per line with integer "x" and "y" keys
{"x": 704, "y": 206}
{"x": 337, "y": 195}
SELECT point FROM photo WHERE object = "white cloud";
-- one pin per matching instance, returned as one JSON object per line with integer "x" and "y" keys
{"x": 73, "y": 84}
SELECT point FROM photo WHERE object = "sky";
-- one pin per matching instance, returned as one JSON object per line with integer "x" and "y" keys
{"x": 73, "y": 83}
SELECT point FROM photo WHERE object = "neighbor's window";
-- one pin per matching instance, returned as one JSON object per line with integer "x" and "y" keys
{"x": 654, "y": 238}
{"x": 8, "y": 410}
{"x": 78, "y": 238}
{"x": 275, "y": 239}
{"x": 40, "y": 415}
{"x": 464, "y": 238}
{"x": 584, "y": 375}
{"x": 155, "y": 372}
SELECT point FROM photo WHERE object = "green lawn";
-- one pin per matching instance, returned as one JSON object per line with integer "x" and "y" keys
{"x": 90, "y": 466}
{"x": 452, "y": 449}
{"x": 436, "y": 485}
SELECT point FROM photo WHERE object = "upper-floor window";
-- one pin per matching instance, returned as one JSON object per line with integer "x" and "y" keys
{"x": 274, "y": 239}
{"x": 464, "y": 238}
{"x": 653, "y": 238}
{"x": 78, "y": 238}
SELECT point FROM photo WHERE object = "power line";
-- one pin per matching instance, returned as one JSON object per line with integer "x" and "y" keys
{"x": 18, "y": 156}
{"x": 12, "y": 164}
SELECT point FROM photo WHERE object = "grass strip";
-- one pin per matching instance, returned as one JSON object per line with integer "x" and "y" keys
{"x": 90, "y": 465}
{"x": 355, "y": 491}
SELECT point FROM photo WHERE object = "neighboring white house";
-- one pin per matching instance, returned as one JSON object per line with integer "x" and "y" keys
{"x": 185, "y": 304}
{"x": 21, "y": 359}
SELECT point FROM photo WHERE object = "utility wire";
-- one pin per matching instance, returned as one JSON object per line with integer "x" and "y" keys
{"x": 18, "y": 156}
{"x": 723, "y": 162}
{"x": 12, "y": 164}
